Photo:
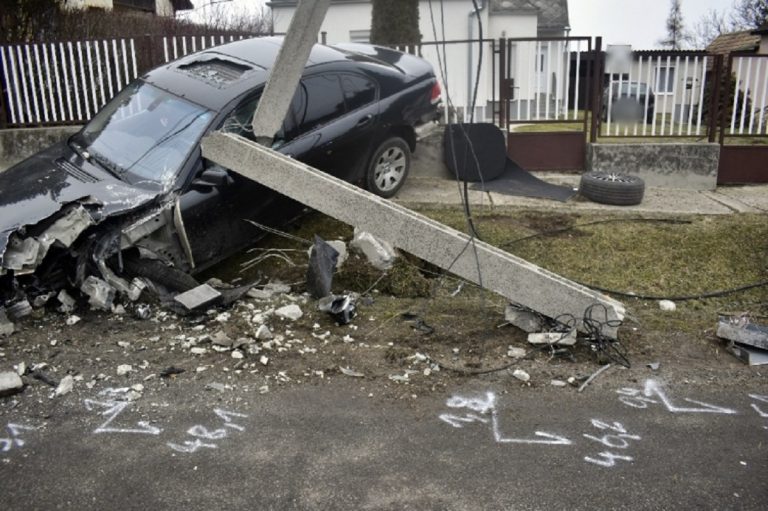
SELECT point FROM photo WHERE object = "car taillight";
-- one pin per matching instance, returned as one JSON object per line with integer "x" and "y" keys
{"x": 436, "y": 92}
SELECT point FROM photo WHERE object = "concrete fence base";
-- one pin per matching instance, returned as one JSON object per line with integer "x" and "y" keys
{"x": 685, "y": 166}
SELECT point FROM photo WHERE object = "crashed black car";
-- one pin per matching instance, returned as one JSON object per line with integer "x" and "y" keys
{"x": 130, "y": 196}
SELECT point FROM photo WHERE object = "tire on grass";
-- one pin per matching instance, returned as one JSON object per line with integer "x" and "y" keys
{"x": 169, "y": 277}
{"x": 612, "y": 188}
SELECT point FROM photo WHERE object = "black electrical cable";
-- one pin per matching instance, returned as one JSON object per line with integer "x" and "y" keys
{"x": 702, "y": 296}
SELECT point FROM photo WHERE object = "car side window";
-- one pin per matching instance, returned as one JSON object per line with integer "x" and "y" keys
{"x": 239, "y": 121}
{"x": 324, "y": 102}
{"x": 358, "y": 91}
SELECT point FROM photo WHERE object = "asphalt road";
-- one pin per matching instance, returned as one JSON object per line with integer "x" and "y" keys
{"x": 334, "y": 447}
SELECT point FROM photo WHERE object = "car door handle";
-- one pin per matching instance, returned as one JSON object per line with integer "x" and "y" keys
{"x": 364, "y": 120}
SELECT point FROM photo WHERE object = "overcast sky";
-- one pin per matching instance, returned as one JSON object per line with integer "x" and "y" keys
{"x": 636, "y": 22}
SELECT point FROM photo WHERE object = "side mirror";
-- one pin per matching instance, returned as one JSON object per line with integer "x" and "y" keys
{"x": 215, "y": 176}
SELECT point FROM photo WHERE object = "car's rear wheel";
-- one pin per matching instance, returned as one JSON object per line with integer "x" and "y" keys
{"x": 389, "y": 167}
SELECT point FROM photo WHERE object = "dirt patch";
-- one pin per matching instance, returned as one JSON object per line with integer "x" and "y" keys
{"x": 417, "y": 332}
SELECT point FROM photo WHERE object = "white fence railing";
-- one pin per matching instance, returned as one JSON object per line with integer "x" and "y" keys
{"x": 67, "y": 82}
{"x": 175, "y": 47}
{"x": 748, "y": 110}
{"x": 656, "y": 95}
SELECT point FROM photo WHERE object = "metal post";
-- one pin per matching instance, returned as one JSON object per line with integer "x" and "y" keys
{"x": 288, "y": 67}
{"x": 714, "y": 100}
{"x": 596, "y": 78}
{"x": 503, "y": 85}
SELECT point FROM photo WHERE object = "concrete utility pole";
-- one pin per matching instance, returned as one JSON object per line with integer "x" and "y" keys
{"x": 286, "y": 72}
{"x": 514, "y": 278}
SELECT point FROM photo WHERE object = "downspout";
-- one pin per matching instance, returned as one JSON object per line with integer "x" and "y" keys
{"x": 471, "y": 31}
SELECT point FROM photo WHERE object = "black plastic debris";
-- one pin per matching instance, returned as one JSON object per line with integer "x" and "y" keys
{"x": 417, "y": 323}
{"x": 341, "y": 308}
{"x": 322, "y": 263}
{"x": 171, "y": 371}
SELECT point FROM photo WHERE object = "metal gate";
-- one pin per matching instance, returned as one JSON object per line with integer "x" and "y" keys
{"x": 547, "y": 83}
{"x": 744, "y": 121}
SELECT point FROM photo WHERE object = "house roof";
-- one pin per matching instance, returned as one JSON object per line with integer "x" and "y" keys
{"x": 725, "y": 44}
{"x": 552, "y": 13}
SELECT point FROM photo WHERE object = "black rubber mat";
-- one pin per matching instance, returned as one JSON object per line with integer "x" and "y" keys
{"x": 476, "y": 153}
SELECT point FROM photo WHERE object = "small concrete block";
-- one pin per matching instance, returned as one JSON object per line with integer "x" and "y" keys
{"x": 380, "y": 254}
{"x": 525, "y": 320}
{"x": 291, "y": 312}
{"x": 6, "y": 327}
{"x": 750, "y": 334}
{"x": 560, "y": 338}
{"x": 197, "y": 297}
{"x": 10, "y": 383}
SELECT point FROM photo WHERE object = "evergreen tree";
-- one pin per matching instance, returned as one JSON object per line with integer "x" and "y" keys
{"x": 395, "y": 22}
{"x": 676, "y": 35}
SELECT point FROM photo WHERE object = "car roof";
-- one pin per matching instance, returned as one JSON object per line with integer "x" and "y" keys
{"x": 214, "y": 77}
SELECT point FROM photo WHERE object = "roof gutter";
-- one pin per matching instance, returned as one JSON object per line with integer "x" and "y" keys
{"x": 471, "y": 33}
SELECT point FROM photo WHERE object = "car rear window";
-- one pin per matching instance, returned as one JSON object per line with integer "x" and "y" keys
{"x": 358, "y": 91}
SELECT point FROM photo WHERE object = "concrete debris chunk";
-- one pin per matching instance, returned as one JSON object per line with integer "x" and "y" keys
{"x": 198, "y": 297}
{"x": 263, "y": 333}
{"x": 19, "y": 309}
{"x": 351, "y": 372}
{"x": 264, "y": 360}
{"x": 277, "y": 288}
{"x": 100, "y": 294}
{"x": 65, "y": 386}
{"x": 558, "y": 383}
{"x": 513, "y": 352}
{"x": 524, "y": 319}
{"x": 72, "y": 320}
{"x": 742, "y": 331}
{"x": 379, "y": 253}
{"x": 42, "y": 299}
{"x": 667, "y": 305}
{"x": 10, "y": 383}
{"x": 66, "y": 301}
{"x": 259, "y": 294}
{"x": 748, "y": 354}
{"x": 560, "y": 338}
{"x": 6, "y": 326}
{"x": 521, "y": 375}
{"x": 291, "y": 312}
{"x": 222, "y": 339}
{"x": 124, "y": 369}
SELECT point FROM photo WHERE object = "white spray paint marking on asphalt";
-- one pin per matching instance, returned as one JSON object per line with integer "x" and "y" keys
{"x": 756, "y": 407}
{"x": 488, "y": 405}
{"x": 201, "y": 433}
{"x": 641, "y": 399}
{"x": 111, "y": 410}
{"x": 14, "y": 440}
{"x": 619, "y": 439}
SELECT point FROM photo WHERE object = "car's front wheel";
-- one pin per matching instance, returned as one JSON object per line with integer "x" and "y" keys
{"x": 389, "y": 167}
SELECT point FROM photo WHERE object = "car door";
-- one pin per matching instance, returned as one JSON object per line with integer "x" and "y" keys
{"x": 334, "y": 118}
{"x": 218, "y": 202}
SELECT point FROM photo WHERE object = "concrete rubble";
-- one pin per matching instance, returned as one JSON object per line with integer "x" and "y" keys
{"x": 379, "y": 253}
{"x": 526, "y": 320}
{"x": 10, "y": 383}
{"x": 6, "y": 326}
{"x": 748, "y": 341}
{"x": 550, "y": 338}
{"x": 198, "y": 297}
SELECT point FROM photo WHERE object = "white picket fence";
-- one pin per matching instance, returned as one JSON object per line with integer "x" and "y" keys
{"x": 67, "y": 82}
{"x": 748, "y": 112}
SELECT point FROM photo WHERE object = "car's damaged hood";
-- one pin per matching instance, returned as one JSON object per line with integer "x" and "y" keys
{"x": 57, "y": 186}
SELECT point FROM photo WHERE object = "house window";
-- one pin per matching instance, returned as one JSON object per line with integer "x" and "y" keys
{"x": 359, "y": 36}
{"x": 665, "y": 79}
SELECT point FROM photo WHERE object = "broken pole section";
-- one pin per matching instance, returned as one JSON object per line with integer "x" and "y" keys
{"x": 513, "y": 278}
{"x": 287, "y": 69}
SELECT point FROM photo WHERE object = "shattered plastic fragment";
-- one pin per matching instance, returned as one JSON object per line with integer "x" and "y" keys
{"x": 66, "y": 300}
{"x": 100, "y": 294}
{"x": 350, "y": 372}
{"x": 322, "y": 263}
{"x": 342, "y": 308}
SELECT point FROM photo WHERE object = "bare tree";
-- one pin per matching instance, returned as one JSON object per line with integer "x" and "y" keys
{"x": 749, "y": 14}
{"x": 676, "y": 34}
{"x": 709, "y": 26}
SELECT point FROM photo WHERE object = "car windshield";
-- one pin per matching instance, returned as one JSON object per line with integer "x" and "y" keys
{"x": 145, "y": 132}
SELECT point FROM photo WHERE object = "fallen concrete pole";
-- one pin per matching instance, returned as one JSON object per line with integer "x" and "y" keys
{"x": 513, "y": 278}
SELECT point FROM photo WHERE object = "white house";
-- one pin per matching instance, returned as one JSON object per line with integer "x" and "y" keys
{"x": 157, "y": 7}
{"x": 538, "y": 67}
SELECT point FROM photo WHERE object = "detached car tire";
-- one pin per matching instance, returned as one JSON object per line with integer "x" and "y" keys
{"x": 611, "y": 188}
{"x": 169, "y": 277}
{"x": 388, "y": 167}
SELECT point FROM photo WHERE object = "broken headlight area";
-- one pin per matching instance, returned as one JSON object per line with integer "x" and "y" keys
{"x": 105, "y": 262}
